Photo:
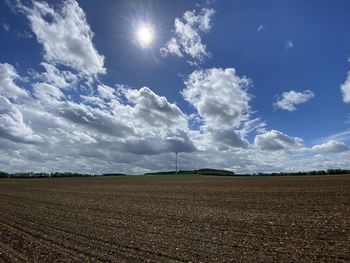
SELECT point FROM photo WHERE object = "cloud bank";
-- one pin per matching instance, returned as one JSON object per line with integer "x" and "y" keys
{"x": 331, "y": 146}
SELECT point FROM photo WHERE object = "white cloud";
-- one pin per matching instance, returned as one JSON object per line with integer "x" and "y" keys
{"x": 56, "y": 77}
{"x": 341, "y": 136}
{"x": 289, "y": 44}
{"x": 94, "y": 118}
{"x": 345, "y": 89}
{"x": 146, "y": 123}
{"x": 187, "y": 35}
{"x": 222, "y": 102}
{"x": 6, "y": 26}
{"x": 289, "y": 99}
{"x": 47, "y": 93}
{"x": 23, "y": 34}
{"x": 106, "y": 92}
{"x": 119, "y": 136}
{"x": 136, "y": 121}
{"x": 331, "y": 146}
{"x": 65, "y": 35}
{"x": 253, "y": 125}
{"x": 172, "y": 47}
{"x": 177, "y": 142}
{"x": 228, "y": 137}
{"x": 8, "y": 87}
{"x": 275, "y": 140}
{"x": 155, "y": 110}
{"x": 260, "y": 28}
{"x": 81, "y": 137}
{"x": 219, "y": 96}
{"x": 12, "y": 126}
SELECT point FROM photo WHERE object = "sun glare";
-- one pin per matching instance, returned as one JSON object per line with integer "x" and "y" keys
{"x": 145, "y": 35}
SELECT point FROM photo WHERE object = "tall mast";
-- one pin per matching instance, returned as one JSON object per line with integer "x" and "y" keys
{"x": 176, "y": 162}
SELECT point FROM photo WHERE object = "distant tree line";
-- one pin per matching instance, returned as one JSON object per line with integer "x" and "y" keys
{"x": 3, "y": 174}
{"x": 199, "y": 172}
{"x": 42, "y": 175}
{"x": 212, "y": 172}
{"x": 320, "y": 172}
{"x": 219, "y": 172}
{"x": 215, "y": 172}
{"x": 114, "y": 174}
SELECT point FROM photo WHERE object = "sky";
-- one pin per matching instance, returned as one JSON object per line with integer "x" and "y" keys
{"x": 120, "y": 86}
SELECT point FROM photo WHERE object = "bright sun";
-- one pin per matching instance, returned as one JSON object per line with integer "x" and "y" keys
{"x": 145, "y": 35}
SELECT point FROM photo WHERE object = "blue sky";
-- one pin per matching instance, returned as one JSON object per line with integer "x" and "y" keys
{"x": 241, "y": 85}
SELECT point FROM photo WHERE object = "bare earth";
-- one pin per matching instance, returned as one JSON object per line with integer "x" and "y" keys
{"x": 160, "y": 219}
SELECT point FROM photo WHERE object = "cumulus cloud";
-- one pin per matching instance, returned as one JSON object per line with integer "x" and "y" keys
{"x": 229, "y": 137}
{"x": 345, "y": 89}
{"x": 106, "y": 92}
{"x": 187, "y": 39}
{"x": 65, "y": 35}
{"x": 222, "y": 102}
{"x": 178, "y": 142}
{"x": 94, "y": 118}
{"x": 275, "y": 140}
{"x": 289, "y": 99}
{"x": 142, "y": 120}
{"x": 47, "y": 93}
{"x": 52, "y": 75}
{"x": 155, "y": 110}
{"x": 219, "y": 96}
{"x": 122, "y": 134}
{"x": 8, "y": 87}
{"x": 12, "y": 126}
{"x": 79, "y": 137}
{"x": 331, "y": 146}
{"x": 132, "y": 121}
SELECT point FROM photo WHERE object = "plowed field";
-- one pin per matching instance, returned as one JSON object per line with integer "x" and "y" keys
{"x": 162, "y": 219}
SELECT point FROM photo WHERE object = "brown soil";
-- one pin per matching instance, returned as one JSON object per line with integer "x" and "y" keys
{"x": 198, "y": 219}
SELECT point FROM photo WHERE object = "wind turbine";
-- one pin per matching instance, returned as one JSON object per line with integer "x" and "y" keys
{"x": 176, "y": 162}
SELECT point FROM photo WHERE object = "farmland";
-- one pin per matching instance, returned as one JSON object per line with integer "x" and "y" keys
{"x": 169, "y": 219}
